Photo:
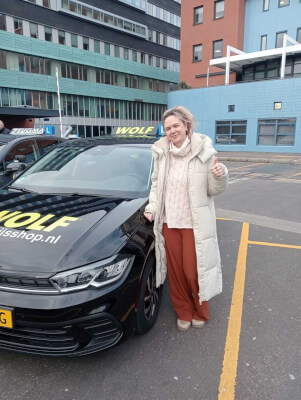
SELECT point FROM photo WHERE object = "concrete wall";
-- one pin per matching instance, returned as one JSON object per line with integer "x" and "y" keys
{"x": 276, "y": 19}
{"x": 252, "y": 100}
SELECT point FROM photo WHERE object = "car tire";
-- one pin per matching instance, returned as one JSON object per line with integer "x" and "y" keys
{"x": 149, "y": 300}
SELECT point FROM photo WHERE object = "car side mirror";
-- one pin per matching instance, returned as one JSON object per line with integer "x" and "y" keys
{"x": 15, "y": 166}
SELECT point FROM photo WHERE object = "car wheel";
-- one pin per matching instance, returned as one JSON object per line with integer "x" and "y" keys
{"x": 149, "y": 299}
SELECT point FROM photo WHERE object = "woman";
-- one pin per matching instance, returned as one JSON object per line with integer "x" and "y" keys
{"x": 186, "y": 175}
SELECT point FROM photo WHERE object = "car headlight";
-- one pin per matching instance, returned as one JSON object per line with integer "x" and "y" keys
{"x": 97, "y": 274}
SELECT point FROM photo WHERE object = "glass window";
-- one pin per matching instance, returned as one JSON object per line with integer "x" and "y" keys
{"x": 263, "y": 42}
{"x": 126, "y": 53}
{"x": 48, "y": 34}
{"x": 74, "y": 40}
{"x": 61, "y": 37}
{"x": 3, "y": 57}
{"x": 266, "y": 5}
{"x": 72, "y": 6}
{"x": 2, "y": 22}
{"x": 219, "y": 9}
{"x": 116, "y": 51}
{"x": 230, "y": 132}
{"x": 46, "y": 145}
{"x": 134, "y": 55}
{"x": 97, "y": 46}
{"x": 18, "y": 26}
{"x": 277, "y": 132}
{"x": 298, "y": 35}
{"x": 33, "y": 30}
{"x": 283, "y": 3}
{"x": 46, "y": 3}
{"x": 142, "y": 58}
{"x": 27, "y": 148}
{"x": 217, "y": 48}
{"x": 107, "y": 49}
{"x": 197, "y": 52}
{"x": 85, "y": 43}
{"x": 279, "y": 38}
{"x": 198, "y": 15}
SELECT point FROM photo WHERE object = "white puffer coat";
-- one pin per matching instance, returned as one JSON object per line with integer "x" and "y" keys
{"x": 202, "y": 185}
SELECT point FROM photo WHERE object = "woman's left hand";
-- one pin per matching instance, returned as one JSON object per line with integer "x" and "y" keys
{"x": 216, "y": 169}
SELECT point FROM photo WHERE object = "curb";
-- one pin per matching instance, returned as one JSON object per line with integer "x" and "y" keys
{"x": 260, "y": 160}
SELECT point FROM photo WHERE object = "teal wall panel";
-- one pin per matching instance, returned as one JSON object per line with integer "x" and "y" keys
{"x": 23, "y": 80}
{"x": 26, "y": 45}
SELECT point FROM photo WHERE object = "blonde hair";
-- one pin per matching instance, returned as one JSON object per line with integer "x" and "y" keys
{"x": 183, "y": 114}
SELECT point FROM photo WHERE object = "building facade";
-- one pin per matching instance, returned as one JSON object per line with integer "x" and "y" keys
{"x": 113, "y": 61}
{"x": 248, "y": 81}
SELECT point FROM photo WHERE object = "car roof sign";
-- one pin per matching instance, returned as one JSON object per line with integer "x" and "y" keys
{"x": 137, "y": 131}
{"x": 27, "y": 131}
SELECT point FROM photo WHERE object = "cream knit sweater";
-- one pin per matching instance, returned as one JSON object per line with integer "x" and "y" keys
{"x": 177, "y": 213}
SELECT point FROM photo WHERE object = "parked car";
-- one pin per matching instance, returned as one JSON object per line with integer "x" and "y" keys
{"x": 76, "y": 254}
{"x": 22, "y": 151}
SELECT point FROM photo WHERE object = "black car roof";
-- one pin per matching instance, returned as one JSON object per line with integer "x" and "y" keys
{"x": 110, "y": 140}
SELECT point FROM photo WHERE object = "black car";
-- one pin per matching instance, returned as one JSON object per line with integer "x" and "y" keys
{"x": 77, "y": 263}
{"x": 24, "y": 150}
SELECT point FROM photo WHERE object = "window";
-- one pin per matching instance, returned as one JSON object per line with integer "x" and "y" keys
{"x": 263, "y": 42}
{"x": 298, "y": 35}
{"x": 230, "y": 132}
{"x": 107, "y": 49}
{"x": 279, "y": 38}
{"x": 197, "y": 52}
{"x": 217, "y": 48}
{"x": 61, "y": 37}
{"x": 46, "y": 145}
{"x": 116, "y": 51}
{"x": 18, "y": 26}
{"x": 26, "y": 148}
{"x": 74, "y": 40}
{"x": 219, "y": 9}
{"x": 96, "y": 46}
{"x": 48, "y": 34}
{"x": 275, "y": 132}
{"x": 198, "y": 15}
{"x": 46, "y": 3}
{"x": 2, "y": 23}
{"x": 134, "y": 55}
{"x": 283, "y": 3}
{"x": 126, "y": 53}
{"x": 266, "y": 5}
{"x": 231, "y": 108}
{"x": 85, "y": 43}
{"x": 33, "y": 28}
{"x": 142, "y": 58}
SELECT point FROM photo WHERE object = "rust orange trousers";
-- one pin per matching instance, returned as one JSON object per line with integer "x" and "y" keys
{"x": 182, "y": 274}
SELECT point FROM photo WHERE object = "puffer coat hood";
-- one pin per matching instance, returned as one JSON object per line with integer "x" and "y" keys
{"x": 202, "y": 186}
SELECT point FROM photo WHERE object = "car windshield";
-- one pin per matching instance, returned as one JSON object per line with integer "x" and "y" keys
{"x": 109, "y": 170}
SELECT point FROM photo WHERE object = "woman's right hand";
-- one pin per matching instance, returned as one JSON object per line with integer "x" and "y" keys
{"x": 149, "y": 216}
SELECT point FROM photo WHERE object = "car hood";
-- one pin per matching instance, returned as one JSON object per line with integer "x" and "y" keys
{"x": 45, "y": 234}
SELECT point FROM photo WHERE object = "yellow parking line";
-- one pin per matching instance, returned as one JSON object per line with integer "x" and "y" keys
{"x": 288, "y": 246}
{"x": 299, "y": 173}
{"x": 245, "y": 166}
{"x": 225, "y": 219}
{"x": 228, "y": 376}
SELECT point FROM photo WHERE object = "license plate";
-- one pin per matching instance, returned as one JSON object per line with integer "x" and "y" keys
{"x": 6, "y": 317}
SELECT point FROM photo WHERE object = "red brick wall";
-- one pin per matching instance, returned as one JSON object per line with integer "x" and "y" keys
{"x": 230, "y": 29}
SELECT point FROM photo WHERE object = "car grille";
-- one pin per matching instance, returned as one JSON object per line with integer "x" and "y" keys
{"x": 23, "y": 284}
{"x": 79, "y": 336}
